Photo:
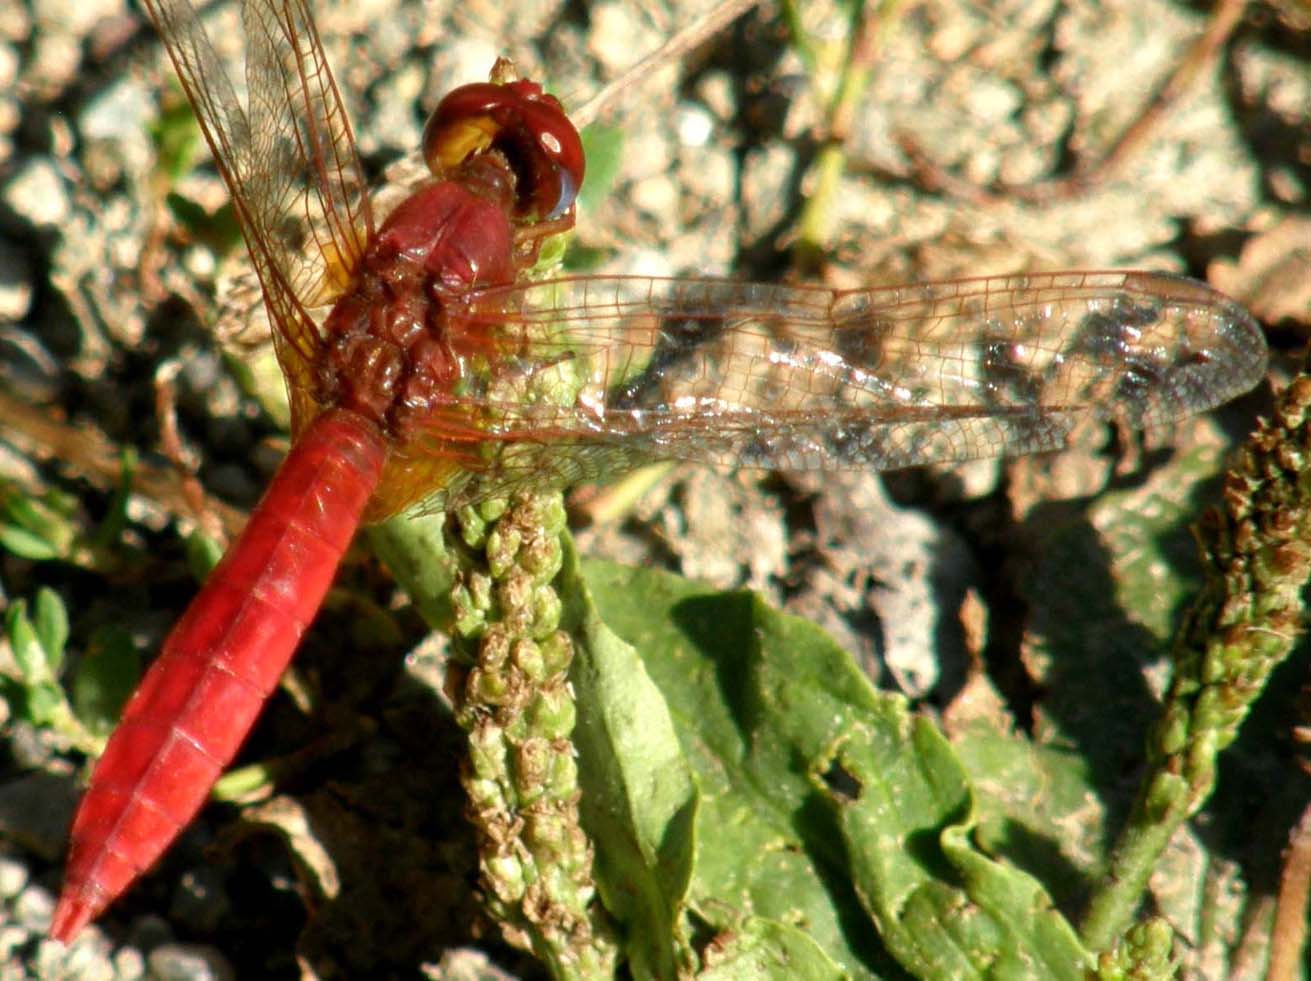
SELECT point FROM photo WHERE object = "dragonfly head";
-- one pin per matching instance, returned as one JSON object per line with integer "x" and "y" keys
{"x": 524, "y": 125}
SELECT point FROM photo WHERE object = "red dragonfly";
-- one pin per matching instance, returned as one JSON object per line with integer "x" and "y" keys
{"x": 427, "y": 368}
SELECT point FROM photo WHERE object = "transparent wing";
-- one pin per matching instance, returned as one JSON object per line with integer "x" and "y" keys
{"x": 579, "y": 378}
{"x": 295, "y": 178}
{"x": 308, "y": 166}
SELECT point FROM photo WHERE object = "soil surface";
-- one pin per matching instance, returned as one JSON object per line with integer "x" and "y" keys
{"x": 1038, "y": 593}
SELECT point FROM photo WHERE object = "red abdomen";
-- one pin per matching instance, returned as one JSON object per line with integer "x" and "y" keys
{"x": 219, "y": 664}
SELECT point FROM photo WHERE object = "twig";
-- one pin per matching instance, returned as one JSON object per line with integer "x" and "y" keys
{"x": 170, "y": 441}
{"x": 88, "y": 453}
{"x": 676, "y": 46}
{"x": 1289, "y": 933}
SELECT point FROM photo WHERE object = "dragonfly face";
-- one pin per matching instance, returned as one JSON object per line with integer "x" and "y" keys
{"x": 526, "y": 127}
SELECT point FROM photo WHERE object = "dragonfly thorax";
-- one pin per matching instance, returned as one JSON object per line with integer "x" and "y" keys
{"x": 389, "y": 357}
{"x": 460, "y": 238}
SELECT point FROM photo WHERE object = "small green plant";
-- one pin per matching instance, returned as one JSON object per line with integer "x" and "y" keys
{"x": 83, "y": 713}
{"x": 47, "y": 528}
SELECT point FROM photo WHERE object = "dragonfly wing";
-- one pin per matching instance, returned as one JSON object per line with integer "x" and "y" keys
{"x": 573, "y": 379}
{"x": 307, "y": 160}
{"x": 295, "y": 179}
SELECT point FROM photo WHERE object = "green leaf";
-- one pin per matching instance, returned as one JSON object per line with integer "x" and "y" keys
{"x": 38, "y": 646}
{"x": 1091, "y": 634}
{"x": 26, "y": 545}
{"x": 414, "y": 548}
{"x": 1040, "y": 811}
{"x": 583, "y": 259}
{"x": 203, "y": 553}
{"x": 108, "y": 674}
{"x": 43, "y": 704}
{"x": 38, "y": 529}
{"x": 51, "y": 628}
{"x": 176, "y": 137}
{"x": 14, "y": 695}
{"x": 186, "y": 212}
{"x": 603, "y": 148}
{"x": 26, "y": 646}
{"x": 219, "y": 229}
{"x": 765, "y": 844}
{"x": 824, "y": 801}
{"x": 259, "y": 376}
{"x": 1107, "y": 583}
{"x": 243, "y": 783}
{"x": 639, "y": 800}
{"x": 761, "y": 948}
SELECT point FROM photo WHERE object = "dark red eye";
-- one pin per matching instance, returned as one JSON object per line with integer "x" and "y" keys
{"x": 527, "y": 126}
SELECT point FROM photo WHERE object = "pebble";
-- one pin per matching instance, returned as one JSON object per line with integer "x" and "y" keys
{"x": 15, "y": 282}
{"x": 86, "y": 959}
{"x": 129, "y": 964}
{"x": 14, "y": 877}
{"x": 34, "y": 908}
{"x": 37, "y": 193}
{"x": 618, "y": 33}
{"x": 695, "y": 125}
{"x": 12, "y": 941}
{"x": 121, "y": 115}
{"x": 189, "y": 962}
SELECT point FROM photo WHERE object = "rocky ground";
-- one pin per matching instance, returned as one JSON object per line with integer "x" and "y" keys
{"x": 1067, "y": 570}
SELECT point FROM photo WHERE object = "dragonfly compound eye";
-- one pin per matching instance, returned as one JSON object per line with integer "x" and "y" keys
{"x": 527, "y": 127}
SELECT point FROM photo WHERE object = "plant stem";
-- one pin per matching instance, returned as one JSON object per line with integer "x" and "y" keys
{"x": 842, "y": 96}
{"x": 1256, "y": 552}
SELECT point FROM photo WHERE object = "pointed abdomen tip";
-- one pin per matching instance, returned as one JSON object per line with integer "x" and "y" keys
{"x": 73, "y": 912}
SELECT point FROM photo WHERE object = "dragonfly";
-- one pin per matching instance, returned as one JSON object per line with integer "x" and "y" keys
{"x": 430, "y": 366}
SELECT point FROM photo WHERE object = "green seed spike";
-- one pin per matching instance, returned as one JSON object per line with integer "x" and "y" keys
{"x": 1256, "y": 552}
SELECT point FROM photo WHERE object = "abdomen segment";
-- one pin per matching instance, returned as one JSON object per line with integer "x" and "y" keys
{"x": 219, "y": 664}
